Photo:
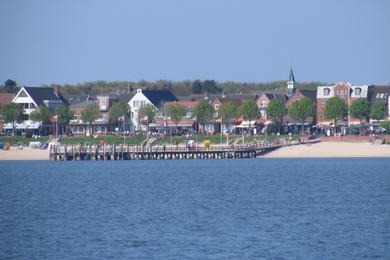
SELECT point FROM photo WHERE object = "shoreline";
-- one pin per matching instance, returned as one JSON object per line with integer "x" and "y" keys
{"x": 316, "y": 150}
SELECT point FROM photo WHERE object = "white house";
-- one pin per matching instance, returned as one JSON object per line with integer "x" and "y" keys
{"x": 33, "y": 97}
{"x": 157, "y": 98}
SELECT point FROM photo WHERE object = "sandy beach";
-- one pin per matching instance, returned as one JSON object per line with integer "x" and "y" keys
{"x": 26, "y": 153}
{"x": 331, "y": 149}
{"x": 318, "y": 150}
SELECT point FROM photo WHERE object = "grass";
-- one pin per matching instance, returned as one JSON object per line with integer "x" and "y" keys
{"x": 109, "y": 139}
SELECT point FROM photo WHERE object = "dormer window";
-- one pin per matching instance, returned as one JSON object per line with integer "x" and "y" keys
{"x": 326, "y": 91}
{"x": 358, "y": 91}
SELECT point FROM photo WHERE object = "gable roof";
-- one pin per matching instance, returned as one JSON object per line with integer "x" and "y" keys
{"x": 159, "y": 97}
{"x": 40, "y": 94}
{"x": 235, "y": 101}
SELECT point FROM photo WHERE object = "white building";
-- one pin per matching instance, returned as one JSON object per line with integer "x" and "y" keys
{"x": 157, "y": 98}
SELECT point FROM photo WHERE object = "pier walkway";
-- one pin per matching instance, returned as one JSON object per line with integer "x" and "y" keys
{"x": 128, "y": 152}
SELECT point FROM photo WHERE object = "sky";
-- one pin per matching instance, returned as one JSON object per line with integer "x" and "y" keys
{"x": 70, "y": 41}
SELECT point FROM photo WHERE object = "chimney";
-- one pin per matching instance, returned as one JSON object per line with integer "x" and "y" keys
{"x": 129, "y": 88}
{"x": 56, "y": 90}
{"x": 206, "y": 95}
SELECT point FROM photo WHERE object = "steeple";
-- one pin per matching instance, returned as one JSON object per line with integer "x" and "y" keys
{"x": 291, "y": 83}
{"x": 291, "y": 76}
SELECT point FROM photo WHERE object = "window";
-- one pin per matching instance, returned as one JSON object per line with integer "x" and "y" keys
{"x": 216, "y": 106}
{"x": 326, "y": 91}
{"x": 358, "y": 91}
{"x": 32, "y": 105}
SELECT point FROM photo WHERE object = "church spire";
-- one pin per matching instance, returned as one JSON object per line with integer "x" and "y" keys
{"x": 291, "y": 83}
{"x": 291, "y": 76}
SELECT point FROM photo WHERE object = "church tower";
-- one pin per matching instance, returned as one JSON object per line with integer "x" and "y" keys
{"x": 291, "y": 83}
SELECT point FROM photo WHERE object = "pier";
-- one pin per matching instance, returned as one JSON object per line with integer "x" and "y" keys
{"x": 128, "y": 152}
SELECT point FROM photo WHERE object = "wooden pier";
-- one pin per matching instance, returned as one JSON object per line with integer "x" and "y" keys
{"x": 127, "y": 152}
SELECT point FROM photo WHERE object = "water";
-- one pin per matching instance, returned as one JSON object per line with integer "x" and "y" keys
{"x": 196, "y": 209}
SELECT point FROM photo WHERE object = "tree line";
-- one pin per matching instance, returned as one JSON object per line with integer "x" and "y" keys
{"x": 179, "y": 88}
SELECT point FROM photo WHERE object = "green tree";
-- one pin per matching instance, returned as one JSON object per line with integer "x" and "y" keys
{"x": 248, "y": 111}
{"x": 276, "y": 111}
{"x": 386, "y": 125}
{"x": 360, "y": 108}
{"x": 196, "y": 87}
{"x": 176, "y": 112}
{"x": 42, "y": 115}
{"x": 64, "y": 115}
{"x": 378, "y": 110}
{"x": 14, "y": 114}
{"x": 89, "y": 115}
{"x": 10, "y": 86}
{"x": 335, "y": 109}
{"x": 203, "y": 111}
{"x": 301, "y": 110}
{"x": 118, "y": 110}
{"x": 147, "y": 113}
{"x": 227, "y": 112}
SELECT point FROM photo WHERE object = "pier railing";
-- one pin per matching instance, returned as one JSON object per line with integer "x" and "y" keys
{"x": 121, "y": 152}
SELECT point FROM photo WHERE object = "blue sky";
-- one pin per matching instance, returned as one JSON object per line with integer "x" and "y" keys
{"x": 73, "y": 41}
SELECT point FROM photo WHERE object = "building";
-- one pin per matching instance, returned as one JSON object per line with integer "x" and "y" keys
{"x": 157, "y": 98}
{"x": 380, "y": 93}
{"x": 264, "y": 99}
{"x": 298, "y": 95}
{"x": 6, "y": 98}
{"x": 32, "y": 98}
{"x": 345, "y": 91}
{"x": 101, "y": 125}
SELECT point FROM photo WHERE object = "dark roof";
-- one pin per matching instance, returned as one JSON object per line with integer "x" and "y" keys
{"x": 312, "y": 94}
{"x": 291, "y": 76}
{"x": 74, "y": 99}
{"x": 271, "y": 96}
{"x": 159, "y": 97}
{"x": 83, "y": 103}
{"x": 40, "y": 94}
{"x": 378, "y": 92}
{"x": 125, "y": 97}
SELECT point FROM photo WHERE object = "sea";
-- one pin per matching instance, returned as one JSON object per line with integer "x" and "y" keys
{"x": 196, "y": 209}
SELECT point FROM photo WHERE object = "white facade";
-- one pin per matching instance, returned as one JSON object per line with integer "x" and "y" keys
{"x": 23, "y": 98}
{"x": 136, "y": 102}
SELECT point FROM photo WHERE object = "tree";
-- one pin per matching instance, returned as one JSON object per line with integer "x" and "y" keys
{"x": 196, "y": 87}
{"x": 227, "y": 112}
{"x": 360, "y": 108}
{"x": 335, "y": 109}
{"x": 10, "y": 86}
{"x": 301, "y": 110}
{"x": 386, "y": 125}
{"x": 13, "y": 113}
{"x": 176, "y": 112}
{"x": 42, "y": 115}
{"x": 248, "y": 111}
{"x": 276, "y": 111}
{"x": 89, "y": 115}
{"x": 149, "y": 112}
{"x": 118, "y": 110}
{"x": 203, "y": 110}
{"x": 378, "y": 110}
{"x": 64, "y": 115}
